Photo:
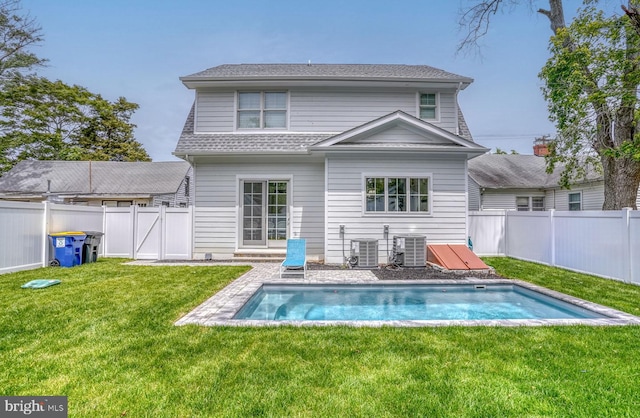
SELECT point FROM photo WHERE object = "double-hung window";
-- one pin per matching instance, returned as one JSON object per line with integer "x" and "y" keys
{"x": 530, "y": 203}
{"x": 537, "y": 203}
{"x": 575, "y": 201}
{"x": 428, "y": 106}
{"x": 522, "y": 203}
{"x": 262, "y": 110}
{"x": 397, "y": 194}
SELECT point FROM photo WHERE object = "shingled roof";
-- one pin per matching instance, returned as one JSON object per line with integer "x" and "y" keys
{"x": 326, "y": 71}
{"x": 96, "y": 177}
{"x": 508, "y": 171}
{"x": 192, "y": 143}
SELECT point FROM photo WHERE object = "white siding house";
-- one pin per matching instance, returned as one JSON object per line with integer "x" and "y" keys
{"x": 329, "y": 153}
{"x": 505, "y": 181}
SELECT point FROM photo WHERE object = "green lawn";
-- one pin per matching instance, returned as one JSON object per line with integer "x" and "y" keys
{"x": 105, "y": 338}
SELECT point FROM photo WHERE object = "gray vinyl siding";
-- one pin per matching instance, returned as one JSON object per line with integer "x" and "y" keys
{"x": 215, "y": 111}
{"x": 506, "y": 199}
{"x": 324, "y": 110}
{"x": 474, "y": 195}
{"x": 400, "y": 135}
{"x": 592, "y": 196}
{"x": 216, "y": 208}
{"x": 445, "y": 224}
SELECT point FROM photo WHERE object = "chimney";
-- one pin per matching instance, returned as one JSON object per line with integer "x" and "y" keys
{"x": 541, "y": 146}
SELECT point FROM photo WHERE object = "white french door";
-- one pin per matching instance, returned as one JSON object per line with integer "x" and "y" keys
{"x": 264, "y": 209}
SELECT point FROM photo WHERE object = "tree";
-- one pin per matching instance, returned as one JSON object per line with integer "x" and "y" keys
{"x": 108, "y": 135}
{"x": 17, "y": 34}
{"x": 591, "y": 83}
{"x": 50, "y": 120}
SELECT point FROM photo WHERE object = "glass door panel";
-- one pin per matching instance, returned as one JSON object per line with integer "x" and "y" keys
{"x": 253, "y": 231}
{"x": 277, "y": 212}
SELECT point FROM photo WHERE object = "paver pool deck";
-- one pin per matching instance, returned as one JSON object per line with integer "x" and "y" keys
{"x": 220, "y": 308}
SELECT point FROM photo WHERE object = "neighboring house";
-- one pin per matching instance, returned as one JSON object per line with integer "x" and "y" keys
{"x": 520, "y": 182}
{"x": 329, "y": 153}
{"x": 99, "y": 183}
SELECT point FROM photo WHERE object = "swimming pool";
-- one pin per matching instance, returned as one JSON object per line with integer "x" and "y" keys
{"x": 406, "y": 302}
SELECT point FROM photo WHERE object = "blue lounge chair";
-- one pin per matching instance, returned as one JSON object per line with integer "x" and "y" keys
{"x": 296, "y": 257}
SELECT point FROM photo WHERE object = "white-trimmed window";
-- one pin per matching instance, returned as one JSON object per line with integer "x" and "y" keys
{"x": 537, "y": 203}
{"x": 262, "y": 110}
{"x": 575, "y": 201}
{"x": 529, "y": 203}
{"x": 397, "y": 194}
{"x": 428, "y": 106}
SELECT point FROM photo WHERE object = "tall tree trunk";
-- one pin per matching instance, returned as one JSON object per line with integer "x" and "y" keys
{"x": 621, "y": 182}
{"x": 623, "y": 172}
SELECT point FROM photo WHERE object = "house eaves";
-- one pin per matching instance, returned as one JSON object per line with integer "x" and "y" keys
{"x": 109, "y": 195}
{"x": 324, "y": 74}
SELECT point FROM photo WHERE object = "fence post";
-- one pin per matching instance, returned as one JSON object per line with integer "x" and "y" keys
{"x": 506, "y": 233}
{"x": 552, "y": 226}
{"x": 162, "y": 247}
{"x": 103, "y": 245}
{"x": 45, "y": 233}
{"x": 133, "y": 216}
{"x": 626, "y": 243}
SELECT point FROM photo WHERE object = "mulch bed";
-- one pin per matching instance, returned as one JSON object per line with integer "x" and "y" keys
{"x": 399, "y": 273}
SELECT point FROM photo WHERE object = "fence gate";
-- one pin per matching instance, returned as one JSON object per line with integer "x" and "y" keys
{"x": 148, "y": 233}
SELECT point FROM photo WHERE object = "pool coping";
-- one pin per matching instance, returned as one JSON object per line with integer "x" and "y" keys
{"x": 220, "y": 308}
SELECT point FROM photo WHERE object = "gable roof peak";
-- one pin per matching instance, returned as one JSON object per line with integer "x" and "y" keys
{"x": 439, "y": 137}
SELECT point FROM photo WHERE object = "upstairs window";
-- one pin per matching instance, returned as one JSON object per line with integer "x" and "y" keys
{"x": 262, "y": 110}
{"x": 428, "y": 106}
{"x": 397, "y": 194}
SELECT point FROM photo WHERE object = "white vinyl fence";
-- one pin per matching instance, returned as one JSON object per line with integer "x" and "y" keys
{"x": 156, "y": 233}
{"x": 603, "y": 243}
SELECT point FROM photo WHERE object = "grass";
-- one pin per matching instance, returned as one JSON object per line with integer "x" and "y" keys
{"x": 105, "y": 338}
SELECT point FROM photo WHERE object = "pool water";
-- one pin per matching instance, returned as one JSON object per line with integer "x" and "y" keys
{"x": 377, "y": 302}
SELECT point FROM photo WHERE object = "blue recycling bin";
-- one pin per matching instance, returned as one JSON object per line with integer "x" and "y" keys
{"x": 67, "y": 248}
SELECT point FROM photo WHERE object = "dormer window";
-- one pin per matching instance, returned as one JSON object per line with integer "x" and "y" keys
{"x": 262, "y": 110}
{"x": 428, "y": 106}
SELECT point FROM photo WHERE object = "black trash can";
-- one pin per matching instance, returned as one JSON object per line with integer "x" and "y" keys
{"x": 90, "y": 247}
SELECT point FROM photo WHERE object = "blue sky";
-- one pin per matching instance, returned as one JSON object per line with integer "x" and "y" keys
{"x": 138, "y": 49}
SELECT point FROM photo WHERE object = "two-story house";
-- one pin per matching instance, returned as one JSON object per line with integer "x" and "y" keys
{"x": 329, "y": 153}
